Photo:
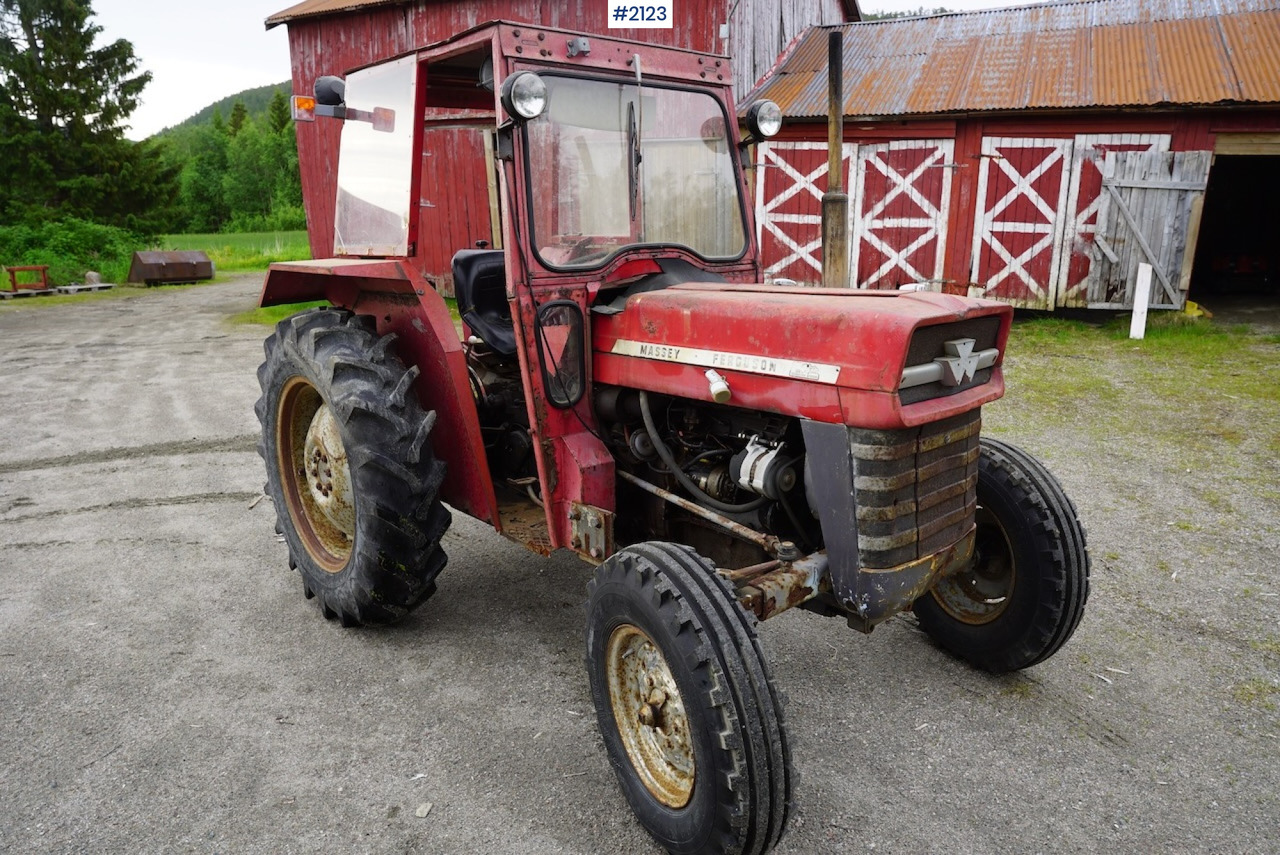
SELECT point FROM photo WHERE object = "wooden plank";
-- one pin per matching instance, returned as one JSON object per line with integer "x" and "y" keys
{"x": 1193, "y": 238}
{"x": 491, "y": 179}
{"x": 1155, "y": 185}
{"x": 1107, "y": 251}
{"x": 1247, "y": 144}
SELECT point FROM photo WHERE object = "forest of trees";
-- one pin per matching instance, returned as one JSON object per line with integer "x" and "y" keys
{"x": 65, "y": 101}
{"x": 238, "y": 173}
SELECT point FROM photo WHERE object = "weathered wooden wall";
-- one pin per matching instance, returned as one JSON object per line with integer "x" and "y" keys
{"x": 1041, "y": 212}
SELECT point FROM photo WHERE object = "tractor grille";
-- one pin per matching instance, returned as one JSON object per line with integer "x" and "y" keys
{"x": 927, "y": 344}
{"x": 916, "y": 488}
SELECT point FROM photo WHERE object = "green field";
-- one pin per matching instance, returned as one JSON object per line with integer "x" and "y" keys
{"x": 240, "y": 252}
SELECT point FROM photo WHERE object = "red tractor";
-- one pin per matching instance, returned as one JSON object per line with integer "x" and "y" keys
{"x": 626, "y": 388}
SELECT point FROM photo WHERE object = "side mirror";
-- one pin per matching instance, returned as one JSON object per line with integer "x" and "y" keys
{"x": 330, "y": 101}
{"x": 562, "y": 352}
{"x": 330, "y": 91}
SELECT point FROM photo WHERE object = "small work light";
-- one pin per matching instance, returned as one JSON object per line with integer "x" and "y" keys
{"x": 524, "y": 95}
{"x": 764, "y": 119}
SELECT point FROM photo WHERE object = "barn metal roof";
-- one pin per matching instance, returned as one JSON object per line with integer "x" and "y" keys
{"x": 316, "y": 8}
{"x": 1087, "y": 53}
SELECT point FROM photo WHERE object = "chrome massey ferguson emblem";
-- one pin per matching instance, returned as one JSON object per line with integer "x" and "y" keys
{"x": 960, "y": 365}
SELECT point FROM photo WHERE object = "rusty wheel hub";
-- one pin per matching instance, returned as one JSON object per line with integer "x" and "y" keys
{"x": 328, "y": 475}
{"x": 979, "y": 593}
{"x": 315, "y": 475}
{"x": 650, "y": 715}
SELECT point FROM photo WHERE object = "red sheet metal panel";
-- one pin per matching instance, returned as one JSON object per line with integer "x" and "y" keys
{"x": 1093, "y": 53}
{"x": 820, "y": 352}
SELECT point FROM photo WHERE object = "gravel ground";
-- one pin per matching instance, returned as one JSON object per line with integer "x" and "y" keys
{"x": 164, "y": 686}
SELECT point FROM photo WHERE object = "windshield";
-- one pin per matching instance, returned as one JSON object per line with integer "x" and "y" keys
{"x": 609, "y": 169}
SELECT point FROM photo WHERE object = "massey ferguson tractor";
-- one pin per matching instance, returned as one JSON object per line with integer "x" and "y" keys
{"x": 624, "y": 386}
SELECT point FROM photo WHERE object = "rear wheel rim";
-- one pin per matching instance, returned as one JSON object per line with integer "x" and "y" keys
{"x": 315, "y": 475}
{"x": 650, "y": 715}
{"x": 982, "y": 591}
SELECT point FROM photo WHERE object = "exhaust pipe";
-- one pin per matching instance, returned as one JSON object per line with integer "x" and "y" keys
{"x": 835, "y": 202}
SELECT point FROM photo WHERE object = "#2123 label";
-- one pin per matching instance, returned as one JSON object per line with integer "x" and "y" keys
{"x": 650, "y": 16}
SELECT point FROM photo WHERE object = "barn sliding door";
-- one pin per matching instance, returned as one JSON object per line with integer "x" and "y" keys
{"x": 1149, "y": 212}
{"x": 1020, "y": 220}
{"x": 1081, "y": 252}
{"x": 901, "y": 197}
{"x": 790, "y": 180}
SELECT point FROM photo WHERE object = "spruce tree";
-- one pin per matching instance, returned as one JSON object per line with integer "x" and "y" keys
{"x": 64, "y": 102}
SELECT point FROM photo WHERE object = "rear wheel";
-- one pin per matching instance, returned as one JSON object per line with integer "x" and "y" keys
{"x": 349, "y": 467}
{"x": 685, "y": 703}
{"x": 1024, "y": 593}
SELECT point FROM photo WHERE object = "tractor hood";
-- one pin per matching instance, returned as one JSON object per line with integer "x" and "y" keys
{"x": 872, "y": 358}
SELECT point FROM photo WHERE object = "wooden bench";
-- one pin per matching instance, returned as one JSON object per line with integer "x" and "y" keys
{"x": 41, "y": 270}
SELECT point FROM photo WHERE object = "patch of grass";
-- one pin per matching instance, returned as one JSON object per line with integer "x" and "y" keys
{"x": 1256, "y": 693}
{"x": 1018, "y": 688}
{"x": 1204, "y": 394}
{"x": 115, "y": 293}
{"x": 243, "y": 252}
{"x": 1270, "y": 645}
{"x": 272, "y": 315}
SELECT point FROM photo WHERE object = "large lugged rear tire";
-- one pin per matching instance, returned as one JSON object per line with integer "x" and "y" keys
{"x": 350, "y": 467}
{"x": 685, "y": 703}
{"x": 1024, "y": 593}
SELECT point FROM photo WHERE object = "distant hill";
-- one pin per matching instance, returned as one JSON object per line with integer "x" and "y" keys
{"x": 255, "y": 101}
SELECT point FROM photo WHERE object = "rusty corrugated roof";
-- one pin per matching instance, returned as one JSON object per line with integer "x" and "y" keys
{"x": 1085, "y": 53}
{"x": 313, "y": 8}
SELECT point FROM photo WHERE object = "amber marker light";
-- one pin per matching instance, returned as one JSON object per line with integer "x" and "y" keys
{"x": 304, "y": 108}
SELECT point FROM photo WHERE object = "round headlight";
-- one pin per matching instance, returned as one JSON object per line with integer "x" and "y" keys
{"x": 764, "y": 119}
{"x": 524, "y": 95}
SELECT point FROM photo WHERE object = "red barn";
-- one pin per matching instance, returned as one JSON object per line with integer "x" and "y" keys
{"x": 1038, "y": 154}
{"x": 335, "y": 36}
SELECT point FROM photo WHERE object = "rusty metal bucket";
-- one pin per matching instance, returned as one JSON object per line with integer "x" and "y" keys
{"x": 157, "y": 268}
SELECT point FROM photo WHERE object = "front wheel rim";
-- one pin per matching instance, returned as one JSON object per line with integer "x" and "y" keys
{"x": 982, "y": 591}
{"x": 315, "y": 475}
{"x": 650, "y": 715}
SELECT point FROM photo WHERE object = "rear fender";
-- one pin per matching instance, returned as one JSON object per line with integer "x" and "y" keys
{"x": 404, "y": 304}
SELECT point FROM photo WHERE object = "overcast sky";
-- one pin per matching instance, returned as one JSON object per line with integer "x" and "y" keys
{"x": 198, "y": 53}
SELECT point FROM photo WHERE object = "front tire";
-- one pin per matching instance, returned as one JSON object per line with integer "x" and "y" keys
{"x": 350, "y": 467}
{"x": 685, "y": 703}
{"x": 1023, "y": 595}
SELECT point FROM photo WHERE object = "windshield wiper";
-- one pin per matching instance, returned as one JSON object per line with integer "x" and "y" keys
{"x": 635, "y": 126}
{"x": 633, "y": 159}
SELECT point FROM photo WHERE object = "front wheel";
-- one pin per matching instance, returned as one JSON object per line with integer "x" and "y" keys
{"x": 685, "y": 703}
{"x": 1024, "y": 592}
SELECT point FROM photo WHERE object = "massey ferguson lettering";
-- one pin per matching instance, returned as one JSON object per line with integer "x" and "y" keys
{"x": 746, "y": 362}
{"x": 659, "y": 351}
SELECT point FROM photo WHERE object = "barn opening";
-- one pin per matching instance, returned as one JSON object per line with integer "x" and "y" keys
{"x": 1238, "y": 253}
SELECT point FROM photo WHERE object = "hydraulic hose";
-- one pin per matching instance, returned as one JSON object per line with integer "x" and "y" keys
{"x": 665, "y": 454}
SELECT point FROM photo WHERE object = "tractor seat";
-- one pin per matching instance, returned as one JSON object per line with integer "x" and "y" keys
{"x": 480, "y": 284}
